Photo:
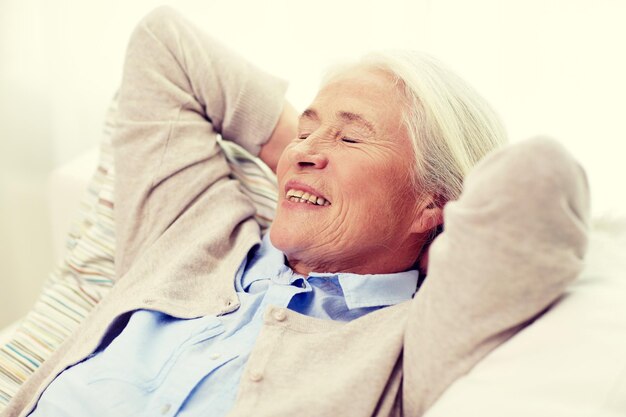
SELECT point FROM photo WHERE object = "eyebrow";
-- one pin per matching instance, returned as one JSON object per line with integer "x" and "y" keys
{"x": 344, "y": 115}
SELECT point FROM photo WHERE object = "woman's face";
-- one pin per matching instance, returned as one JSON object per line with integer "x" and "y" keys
{"x": 352, "y": 161}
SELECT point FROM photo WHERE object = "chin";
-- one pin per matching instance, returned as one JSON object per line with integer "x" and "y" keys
{"x": 284, "y": 239}
{"x": 280, "y": 237}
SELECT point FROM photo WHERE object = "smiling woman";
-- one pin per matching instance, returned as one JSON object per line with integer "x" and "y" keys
{"x": 407, "y": 156}
{"x": 358, "y": 155}
{"x": 210, "y": 317}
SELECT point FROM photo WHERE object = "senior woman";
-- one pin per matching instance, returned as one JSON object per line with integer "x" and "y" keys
{"x": 320, "y": 317}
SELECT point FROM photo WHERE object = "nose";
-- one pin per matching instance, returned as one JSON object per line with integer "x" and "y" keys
{"x": 308, "y": 155}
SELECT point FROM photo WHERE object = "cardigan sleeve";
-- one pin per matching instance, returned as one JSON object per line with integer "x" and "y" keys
{"x": 512, "y": 243}
{"x": 180, "y": 88}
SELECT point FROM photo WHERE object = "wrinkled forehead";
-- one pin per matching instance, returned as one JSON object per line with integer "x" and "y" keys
{"x": 360, "y": 76}
{"x": 360, "y": 94}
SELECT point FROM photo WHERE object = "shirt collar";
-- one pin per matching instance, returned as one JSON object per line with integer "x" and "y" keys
{"x": 375, "y": 290}
{"x": 265, "y": 262}
{"x": 367, "y": 290}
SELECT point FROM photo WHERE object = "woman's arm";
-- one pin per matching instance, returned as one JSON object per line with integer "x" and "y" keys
{"x": 180, "y": 88}
{"x": 512, "y": 243}
{"x": 285, "y": 131}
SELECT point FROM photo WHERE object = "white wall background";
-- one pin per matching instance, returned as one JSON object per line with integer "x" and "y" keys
{"x": 555, "y": 67}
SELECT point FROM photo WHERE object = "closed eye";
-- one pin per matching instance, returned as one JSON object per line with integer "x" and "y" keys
{"x": 349, "y": 140}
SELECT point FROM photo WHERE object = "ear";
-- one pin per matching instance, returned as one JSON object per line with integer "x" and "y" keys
{"x": 428, "y": 216}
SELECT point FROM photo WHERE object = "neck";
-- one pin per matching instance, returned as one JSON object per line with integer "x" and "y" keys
{"x": 398, "y": 260}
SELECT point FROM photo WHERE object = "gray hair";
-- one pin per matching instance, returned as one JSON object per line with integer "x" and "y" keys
{"x": 451, "y": 126}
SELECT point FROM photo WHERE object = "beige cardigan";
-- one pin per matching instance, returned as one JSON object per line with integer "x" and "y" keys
{"x": 512, "y": 243}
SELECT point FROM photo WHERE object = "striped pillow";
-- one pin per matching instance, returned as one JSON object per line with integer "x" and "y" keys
{"x": 87, "y": 272}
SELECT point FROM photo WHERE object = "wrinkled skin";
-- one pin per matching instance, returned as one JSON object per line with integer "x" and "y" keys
{"x": 353, "y": 150}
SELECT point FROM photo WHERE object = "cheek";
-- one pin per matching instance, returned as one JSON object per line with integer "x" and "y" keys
{"x": 376, "y": 179}
{"x": 380, "y": 194}
{"x": 283, "y": 163}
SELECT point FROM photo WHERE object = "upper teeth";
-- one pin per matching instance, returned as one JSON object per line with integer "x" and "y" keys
{"x": 299, "y": 196}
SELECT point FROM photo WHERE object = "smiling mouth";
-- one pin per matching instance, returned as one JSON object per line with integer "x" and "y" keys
{"x": 299, "y": 196}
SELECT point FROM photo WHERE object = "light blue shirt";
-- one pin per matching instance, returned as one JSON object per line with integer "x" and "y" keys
{"x": 160, "y": 365}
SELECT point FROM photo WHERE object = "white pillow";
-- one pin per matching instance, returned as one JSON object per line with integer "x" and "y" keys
{"x": 571, "y": 361}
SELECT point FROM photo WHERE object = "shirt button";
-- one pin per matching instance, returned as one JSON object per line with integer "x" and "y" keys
{"x": 280, "y": 315}
{"x": 166, "y": 408}
{"x": 255, "y": 376}
{"x": 215, "y": 356}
